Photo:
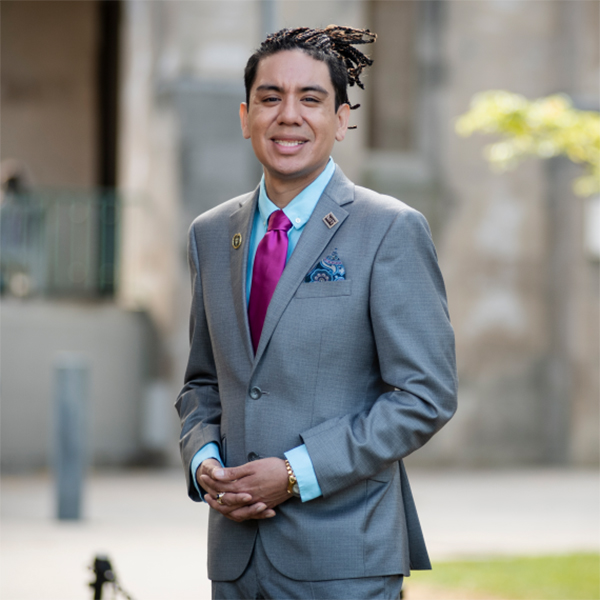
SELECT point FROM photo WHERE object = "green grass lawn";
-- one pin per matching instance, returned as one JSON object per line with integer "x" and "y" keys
{"x": 570, "y": 577}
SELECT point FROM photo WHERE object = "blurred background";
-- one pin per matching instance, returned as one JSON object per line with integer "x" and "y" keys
{"x": 120, "y": 124}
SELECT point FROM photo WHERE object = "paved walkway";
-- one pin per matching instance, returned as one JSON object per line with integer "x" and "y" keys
{"x": 155, "y": 536}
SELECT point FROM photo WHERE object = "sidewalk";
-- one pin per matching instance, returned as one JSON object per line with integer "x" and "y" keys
{"x": 156, "y": 537}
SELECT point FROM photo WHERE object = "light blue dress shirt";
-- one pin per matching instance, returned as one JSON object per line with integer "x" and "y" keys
{"x": 298, "y": 211}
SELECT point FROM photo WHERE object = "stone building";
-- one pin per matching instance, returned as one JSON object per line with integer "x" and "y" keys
{"x": 142, "y": 97}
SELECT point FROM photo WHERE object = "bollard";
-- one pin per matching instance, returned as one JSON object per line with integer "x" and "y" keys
{"x": 70, "y": 435}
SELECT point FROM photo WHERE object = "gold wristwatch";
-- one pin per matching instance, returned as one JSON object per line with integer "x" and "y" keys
{"x": 292, "y": 487}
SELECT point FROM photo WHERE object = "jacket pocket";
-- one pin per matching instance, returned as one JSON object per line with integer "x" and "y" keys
{"x": 324, "y": 289}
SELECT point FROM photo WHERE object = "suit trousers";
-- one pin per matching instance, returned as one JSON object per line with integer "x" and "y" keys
{"x": 261, "y": 581}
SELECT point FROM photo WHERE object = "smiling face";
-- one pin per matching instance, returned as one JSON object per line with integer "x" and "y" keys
{"x": 291, "y": 119}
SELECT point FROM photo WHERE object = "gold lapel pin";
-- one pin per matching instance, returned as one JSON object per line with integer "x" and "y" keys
{"x": 330, "y": 220}
{"x": 236, "y": 241}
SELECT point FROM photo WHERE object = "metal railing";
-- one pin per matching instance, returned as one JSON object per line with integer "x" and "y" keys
{"x": 59, "y": 243}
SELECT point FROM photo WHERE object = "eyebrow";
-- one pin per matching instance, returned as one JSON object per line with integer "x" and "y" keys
{"x": 275, "y": 88}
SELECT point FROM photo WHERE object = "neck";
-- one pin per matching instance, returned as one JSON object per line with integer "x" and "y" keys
{"x": 282, "y": 191}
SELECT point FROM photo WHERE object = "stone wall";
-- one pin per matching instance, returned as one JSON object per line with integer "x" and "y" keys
{"x": 523, "y": 294}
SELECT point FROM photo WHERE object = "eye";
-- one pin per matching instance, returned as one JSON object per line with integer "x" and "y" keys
{"x": 270, "y": 99}
{"x": 311, "y": 99}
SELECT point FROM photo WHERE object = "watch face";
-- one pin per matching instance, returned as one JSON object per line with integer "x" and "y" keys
{"x": 296, "y": 490}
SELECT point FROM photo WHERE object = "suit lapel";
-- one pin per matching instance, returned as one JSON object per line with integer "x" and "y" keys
{"x": 240, "y": 222}
{"x": 312, "y": 242}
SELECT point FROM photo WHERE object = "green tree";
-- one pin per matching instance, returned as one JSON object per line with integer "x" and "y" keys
{"x": 544, "y": 128}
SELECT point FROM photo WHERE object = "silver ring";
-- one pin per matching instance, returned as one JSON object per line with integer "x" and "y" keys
{"x": 220, "y": 497}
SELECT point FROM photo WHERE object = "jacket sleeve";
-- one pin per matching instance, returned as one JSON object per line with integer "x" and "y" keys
{"x": 415, "y": 348}
{"x": 198, "y": 404}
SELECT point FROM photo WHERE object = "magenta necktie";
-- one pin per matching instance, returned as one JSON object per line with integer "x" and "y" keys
{"x": 269, "y": 263}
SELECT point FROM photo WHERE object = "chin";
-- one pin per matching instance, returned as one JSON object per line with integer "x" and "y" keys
{"x": 290, "y": 169}
{"x": 291, "y": 172}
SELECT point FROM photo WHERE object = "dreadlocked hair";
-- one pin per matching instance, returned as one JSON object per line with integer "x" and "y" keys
{"x": 333, "y": 45}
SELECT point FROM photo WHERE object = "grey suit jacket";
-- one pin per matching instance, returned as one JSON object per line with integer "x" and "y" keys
{"x": 362, "y": 371}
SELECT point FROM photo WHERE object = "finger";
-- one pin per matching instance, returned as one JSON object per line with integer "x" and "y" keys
{"x": 221, "y": 474}
{"x": 254, "y": 511}
{"x": 222, "y": 508}
{"x": 229, "y": 502}
{"x": 258, "y": 510}
{"x": 232, "y": 473}
{"x": 209, "y": 465}
{"x": 235, "y": 500}
{"x": 208, "y": 483}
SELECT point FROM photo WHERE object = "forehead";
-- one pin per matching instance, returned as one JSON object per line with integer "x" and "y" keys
{"x": 292, "y": 69}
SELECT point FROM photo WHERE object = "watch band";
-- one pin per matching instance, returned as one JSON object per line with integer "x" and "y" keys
{"x": 292, "y": 487}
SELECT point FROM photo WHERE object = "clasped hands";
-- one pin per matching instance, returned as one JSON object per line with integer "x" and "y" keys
{"x": 251, "y": 490}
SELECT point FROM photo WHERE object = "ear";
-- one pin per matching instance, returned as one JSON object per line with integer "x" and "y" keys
{"x": 244, "y": 120}
{"x": 343, "y": 116}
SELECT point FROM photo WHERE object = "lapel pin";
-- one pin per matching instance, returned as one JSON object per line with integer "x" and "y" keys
{"x": 330, "y": 220}
{"x": 236, "y": 241}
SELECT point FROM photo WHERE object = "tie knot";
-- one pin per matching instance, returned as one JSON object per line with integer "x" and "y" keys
{"x": 278, "y": 221}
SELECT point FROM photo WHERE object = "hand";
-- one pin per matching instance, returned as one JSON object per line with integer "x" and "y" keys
{"x": 240, "y": 504}
{"x": 251, "y": 490}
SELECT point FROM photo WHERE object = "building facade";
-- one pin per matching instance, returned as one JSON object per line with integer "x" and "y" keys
{"x": 142, "y": 97}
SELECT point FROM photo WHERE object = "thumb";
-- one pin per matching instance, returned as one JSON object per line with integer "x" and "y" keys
{"x": 228, "y": 474}
{"x": 223, "y": 474}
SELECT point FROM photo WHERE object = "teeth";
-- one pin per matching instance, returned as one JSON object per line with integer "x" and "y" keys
{"x": 289, "y": 142}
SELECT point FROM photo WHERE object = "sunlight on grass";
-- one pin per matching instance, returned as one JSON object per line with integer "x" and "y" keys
{"x": 571, "y": 577}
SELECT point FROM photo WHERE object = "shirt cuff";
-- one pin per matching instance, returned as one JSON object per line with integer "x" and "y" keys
{"x": 210, "y": 450}
{"x": 304, "y": 471}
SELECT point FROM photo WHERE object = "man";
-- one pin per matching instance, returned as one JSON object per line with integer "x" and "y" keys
{"x": 321, "y": 349}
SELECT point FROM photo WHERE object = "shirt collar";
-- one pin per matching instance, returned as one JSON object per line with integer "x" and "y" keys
{"x": 299, "y": 210}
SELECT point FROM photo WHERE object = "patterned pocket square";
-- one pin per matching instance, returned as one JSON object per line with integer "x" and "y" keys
{"x": 330, "y": 268}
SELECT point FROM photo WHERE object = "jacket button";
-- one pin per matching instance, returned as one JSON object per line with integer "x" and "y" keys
{"x": 255, "y": 393}
{"x": 252, "y": 456}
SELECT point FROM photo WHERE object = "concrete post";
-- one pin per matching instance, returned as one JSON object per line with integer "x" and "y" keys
{"x": 70, "y": 433}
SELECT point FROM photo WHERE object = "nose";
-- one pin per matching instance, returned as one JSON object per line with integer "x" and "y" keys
{"x": 290, "y": 112}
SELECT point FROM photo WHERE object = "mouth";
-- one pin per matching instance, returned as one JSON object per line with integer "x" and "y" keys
{"x": 289, "y": 143}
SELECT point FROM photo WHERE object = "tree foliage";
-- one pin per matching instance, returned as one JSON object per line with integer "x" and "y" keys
{"x": 545, "y": 127}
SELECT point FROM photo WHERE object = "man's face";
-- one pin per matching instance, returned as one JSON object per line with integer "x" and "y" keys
{"x": 291, "y": 117}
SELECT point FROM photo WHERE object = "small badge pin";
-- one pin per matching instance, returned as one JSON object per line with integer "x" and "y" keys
{"x": 330, "y": 220}
{"x": 236, "y": 241}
